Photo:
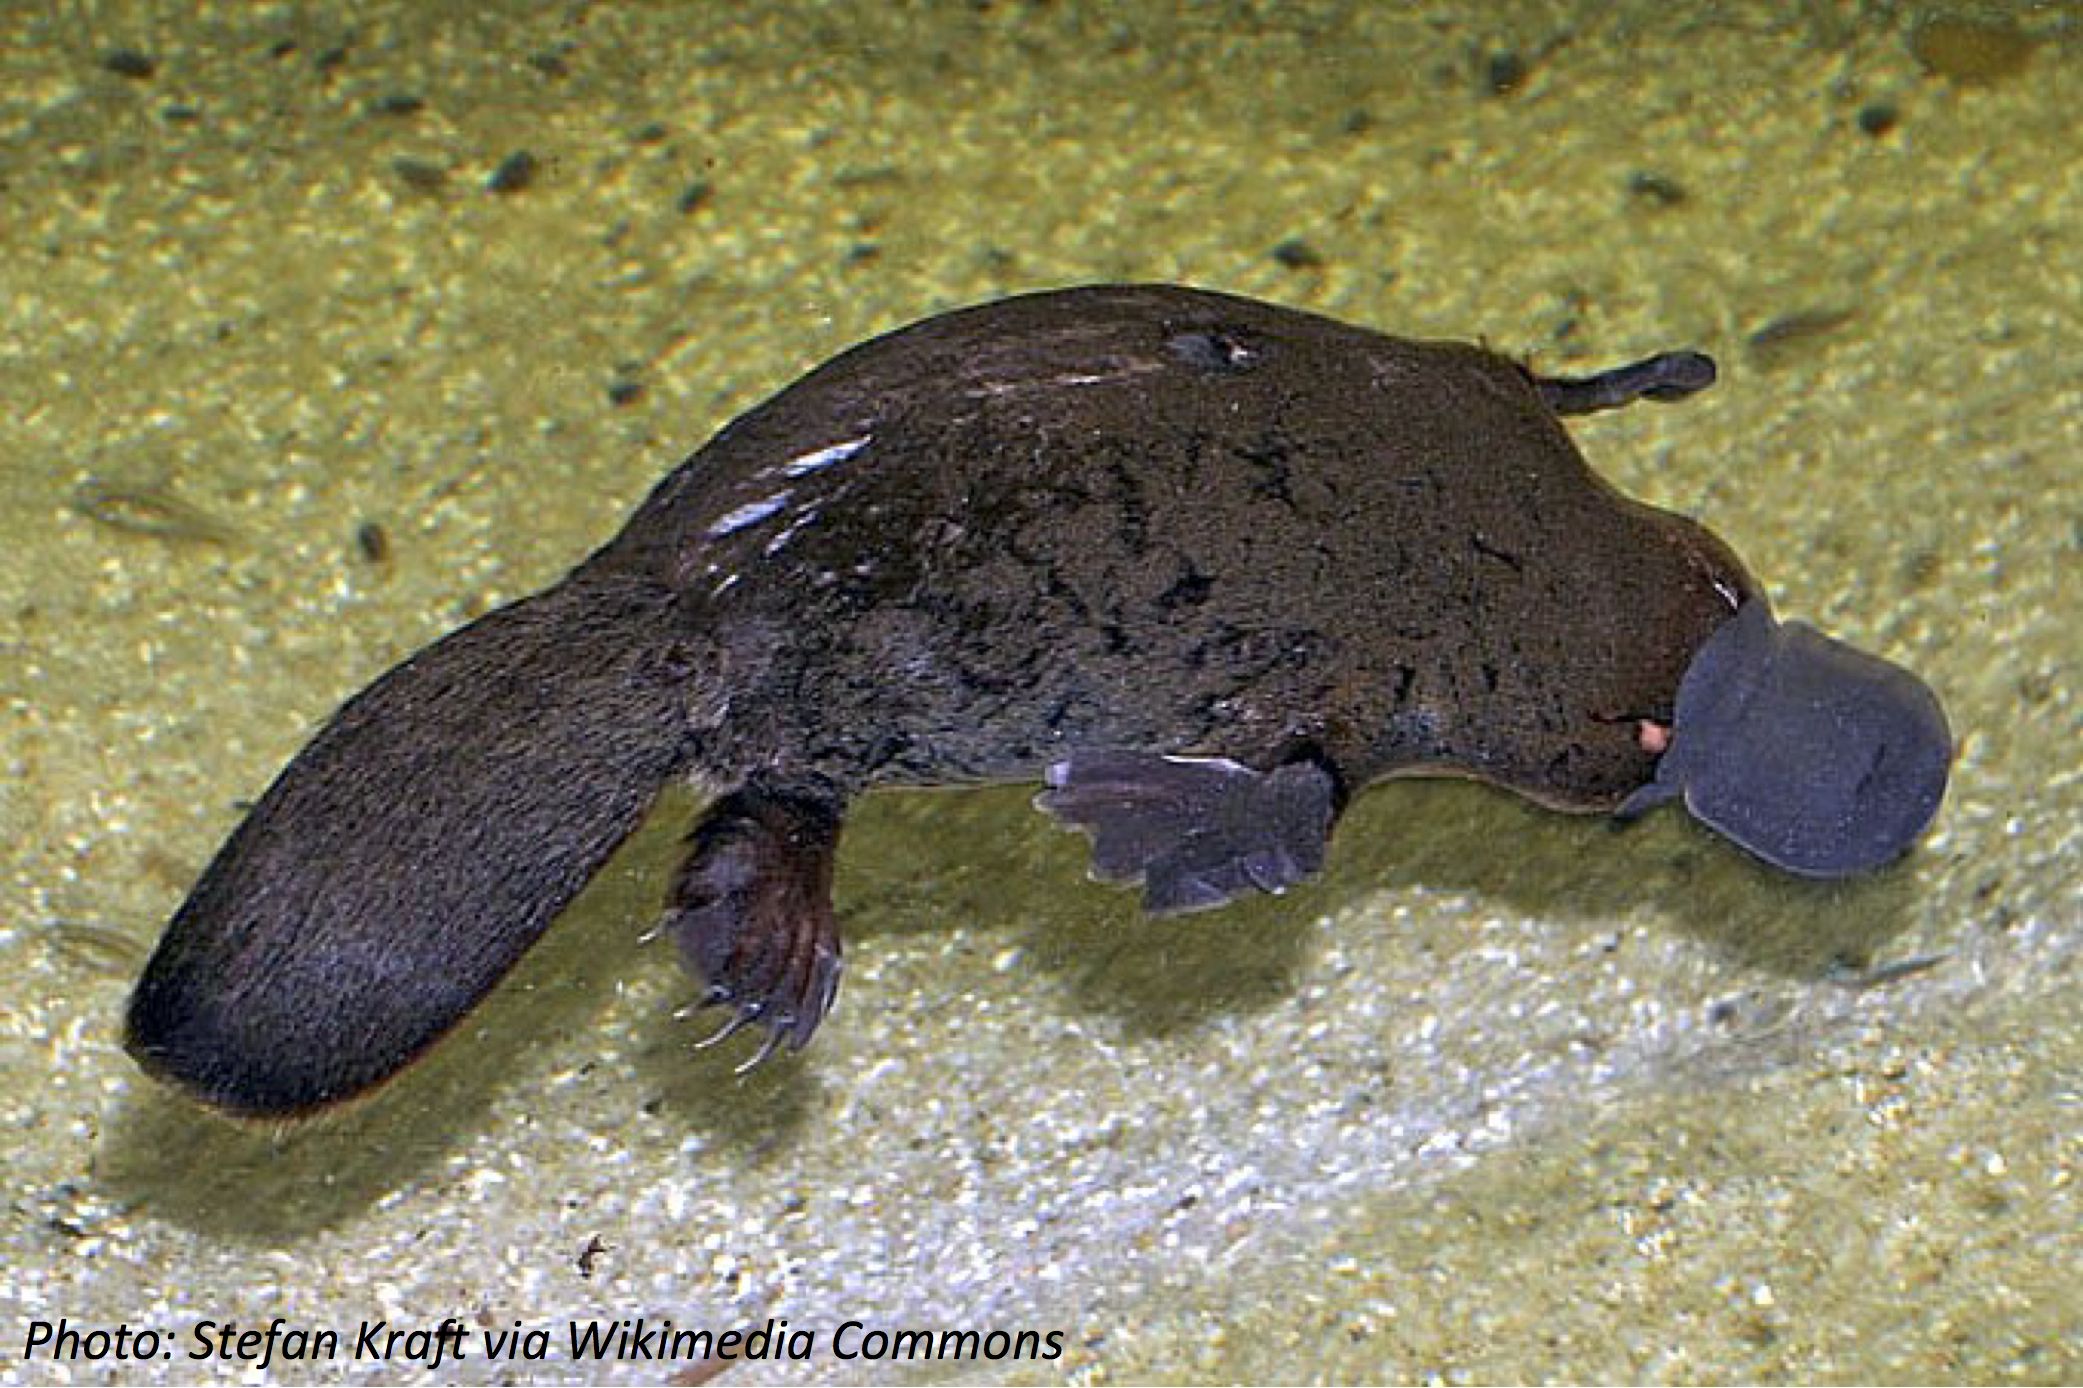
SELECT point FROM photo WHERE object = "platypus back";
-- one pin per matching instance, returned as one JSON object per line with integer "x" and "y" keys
{"x": 402, "y": 863}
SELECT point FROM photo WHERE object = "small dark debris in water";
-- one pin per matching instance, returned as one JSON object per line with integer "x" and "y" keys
{"x": 67, "y": 1210}
{"x": 331, "y": 59}
{"x": 373, "y": 542}
{"x": 1504, "y": 72}
{"x": 1650, "y": 186}
{"x": 706, "y": 1369}
{"x": 130, "y": 62}
{"x": 589, "y": 1256}
{"x": 1297, "y": 254}
{"x": 514, "y": 173}
{"x": 1857, "y": 975}
{"x": 99, "y": 949}
{"x": 651, "y": 132}
{"x": 694, "y": 196}
{"x": 862, "y": 253}
{"x": 625, "y": 390}
{"x": 399, "y": 104}
{"x": 1970, "y": 50}
{"x": 180, "y": 113}
{"x": 1921, "y": 566}
{"x": 1879, "y": 118}
{"x": 1790, "y": 331}
{"x": 420, "y": 175}
{"x": 549, "y": 64}
{"x": 1358, "y": 121}
{"x": 149, "y": 511}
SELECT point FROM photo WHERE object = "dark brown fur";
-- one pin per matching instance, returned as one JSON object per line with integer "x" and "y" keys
{"x": 1142, "y": 520}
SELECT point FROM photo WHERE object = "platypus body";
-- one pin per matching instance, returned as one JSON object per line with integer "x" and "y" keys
{"x": 1203, "y": 566}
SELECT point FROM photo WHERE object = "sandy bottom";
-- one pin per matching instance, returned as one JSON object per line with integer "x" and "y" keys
{"x": 304, "y": 364}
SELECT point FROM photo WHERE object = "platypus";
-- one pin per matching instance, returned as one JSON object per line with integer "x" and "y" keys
{"x": 1203, "y": 567}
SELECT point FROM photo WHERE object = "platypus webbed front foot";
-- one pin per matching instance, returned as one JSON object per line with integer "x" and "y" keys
{"x": 1196, "y": 831}
{"x": 751, "y": 911}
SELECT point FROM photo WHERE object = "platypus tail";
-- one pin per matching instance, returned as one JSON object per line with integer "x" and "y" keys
{"x": 417, "y": 847}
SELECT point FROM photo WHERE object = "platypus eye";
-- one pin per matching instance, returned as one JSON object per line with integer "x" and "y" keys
{"x": 1814, "y": 755}
{"x": 1218, "y": 351}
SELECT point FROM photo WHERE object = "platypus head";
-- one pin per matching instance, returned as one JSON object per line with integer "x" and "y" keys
{"x": 1815, "y": 756}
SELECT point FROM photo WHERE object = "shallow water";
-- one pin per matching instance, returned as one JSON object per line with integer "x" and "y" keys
{"x": 1505, "y": 1096}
